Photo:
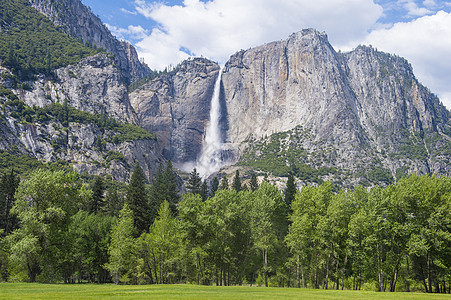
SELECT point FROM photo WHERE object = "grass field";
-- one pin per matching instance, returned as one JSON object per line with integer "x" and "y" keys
{"x": 180, "y": 291}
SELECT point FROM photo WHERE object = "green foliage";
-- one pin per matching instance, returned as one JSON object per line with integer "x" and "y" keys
{"x": 115, "y": 156}
{"x": 253, "y": 183}
{"x": 90, "y": 236}
{"x": 194, "y": 184}
{"x": 30, "y": 43}
{"x": 163, "y": 188}
{"x": 394, "y": 238}
{"x": 122, "y": 250}
{"x": 282, "y": 154}
{"x": 224, "y": 183}
{"x": 290, "y": 191}
{"x": 98, "y": 190}
{"x": 236, "y": 185}
{"x": 64, "y": 114}
{"x": 129, "y": 133}
{"x": 8, "y": 186}
{"x": 137, "y": 200}
{"x": 214, "y": 186}
{"x": 378, "y": 175}
{"x": 140, "y": 83}
{"x": 44, "y": 205}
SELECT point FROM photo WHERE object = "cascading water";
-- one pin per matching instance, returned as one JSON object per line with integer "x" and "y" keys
{"x": 210, "y": 160}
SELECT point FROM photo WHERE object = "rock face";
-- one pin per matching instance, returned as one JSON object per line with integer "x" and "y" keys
{"x": 77, "y": 20}
{"x": 365, "y": 105}
{"x": 94, "y": 85}
{"x": 176, "y": 108}
{"x": 340, "y": 113}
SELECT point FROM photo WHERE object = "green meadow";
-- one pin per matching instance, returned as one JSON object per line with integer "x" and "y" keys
{"x": 183, "y": 291}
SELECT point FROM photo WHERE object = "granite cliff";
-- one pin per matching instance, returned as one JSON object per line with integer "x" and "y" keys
{"x": 298, "y": 105}
{"x": 176, "y": 107}
{"x": 97, "y": 136}
{"x": 76, "y": 20}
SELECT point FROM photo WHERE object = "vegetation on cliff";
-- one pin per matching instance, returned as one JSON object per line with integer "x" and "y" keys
{"x": 30, "y": 44}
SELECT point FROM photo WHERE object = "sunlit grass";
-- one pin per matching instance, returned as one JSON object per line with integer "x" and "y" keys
{"x": 181, "y": 291}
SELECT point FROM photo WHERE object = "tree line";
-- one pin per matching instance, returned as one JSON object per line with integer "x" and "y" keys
{"x": 58, "y": 229}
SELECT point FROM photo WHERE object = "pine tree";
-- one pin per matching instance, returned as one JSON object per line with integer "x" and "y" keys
{"x": 194, "y": 182}
{"x": 214, "y": 186}
{"x": 224, "y": 184}
{"x": 8, "y": 186}
{"x": 156, "y": 193}
{"x": 253, "y": 183}
{"x": 137, "y": 200}
{"x": 164, "y": 187}
{"x": 290, "y": 191}
{"x": 97, "y": 195}
{"x": 113, "y": 202}
{"x": 204, "y": 191}
{"x": 171, "y": 192}
{"x": 237, "y": 182}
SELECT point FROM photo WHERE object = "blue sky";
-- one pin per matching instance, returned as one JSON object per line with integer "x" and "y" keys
{"x": 166, "y": 32}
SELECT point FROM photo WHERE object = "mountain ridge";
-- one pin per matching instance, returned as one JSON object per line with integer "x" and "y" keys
{"x": 365, "y": 106}
{"x": 77, "y": 20}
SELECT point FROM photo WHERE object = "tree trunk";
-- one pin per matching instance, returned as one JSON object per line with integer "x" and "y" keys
{"x": 408, "y": 272}
{"x": 429, "y": 273}
{"x": 297, "y": 271}
{"x": 265, "y": 256}
{"x": 395, "y": 275}
{"x": 338, "y": 278}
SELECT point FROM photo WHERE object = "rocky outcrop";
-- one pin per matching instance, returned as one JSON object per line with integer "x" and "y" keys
{"x": 78, "y": 146}
{"x": 94, "y": 85}
{"x": 365, "y": 105}
{"x": 176, "y": 108}
{"x": 75, "y": 19}
{"x": 340, "y": 113}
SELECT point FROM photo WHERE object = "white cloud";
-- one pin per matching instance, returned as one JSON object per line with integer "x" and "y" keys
{"x": 216, "y": 29}
{"x": 413, "y": 9}
{"x": 135, "y": 32}
{"x": 126, "y": 11}
{"x": 426, "y": 44}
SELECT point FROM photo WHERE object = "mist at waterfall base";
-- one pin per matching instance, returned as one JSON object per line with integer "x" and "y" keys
{"x": 210, "y": 160}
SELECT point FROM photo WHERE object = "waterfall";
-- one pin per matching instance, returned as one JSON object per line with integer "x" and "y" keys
{"x": 210, "y": 160}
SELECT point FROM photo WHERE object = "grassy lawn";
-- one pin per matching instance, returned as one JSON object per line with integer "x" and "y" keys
{"x": 180, "y": 291}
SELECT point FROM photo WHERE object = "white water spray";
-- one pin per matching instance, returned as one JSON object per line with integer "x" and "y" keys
{"x": 210, "y": 160}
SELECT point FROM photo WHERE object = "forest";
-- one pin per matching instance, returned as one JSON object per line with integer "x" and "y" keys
{"x": 58, "y": 228}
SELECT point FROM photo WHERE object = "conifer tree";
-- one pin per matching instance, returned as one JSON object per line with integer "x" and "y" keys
{"x": 224, "y": 184}
{"x": 204, "y": 191}
{"x": 290, "y": 191}
{"x": 237, "y": 182}
{"x": 97, "y": 195}
{"x": 214, "y": 186}
{"x": 164, "y": 187}
{"x": 113, "y": 202}
{"x": 194, "y": 182}
{"x": 156, "y": 193}
{"x": 253, "y": 183}
{"x": 137, "y": 200}
{"x": 8, "y": 185}
{"x": 170, "y": 184}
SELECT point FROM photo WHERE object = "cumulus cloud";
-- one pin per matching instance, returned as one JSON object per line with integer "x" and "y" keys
{"x": 134, "y": 32}
{"x": 414, "y": 10}
{"x": 426, "y": 44}
{"x": 216, "y": 29}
